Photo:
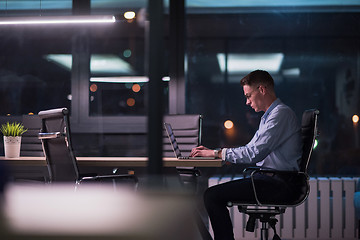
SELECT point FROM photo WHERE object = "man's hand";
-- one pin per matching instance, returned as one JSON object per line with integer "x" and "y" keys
{"x": 201, "y": 151}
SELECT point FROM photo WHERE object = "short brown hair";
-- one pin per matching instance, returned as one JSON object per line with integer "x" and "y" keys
{"x": 258, "y": 77}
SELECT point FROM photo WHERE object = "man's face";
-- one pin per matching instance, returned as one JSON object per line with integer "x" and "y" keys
{"x": 254, "y": 98}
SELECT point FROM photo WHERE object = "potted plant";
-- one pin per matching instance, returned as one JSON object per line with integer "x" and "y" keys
{"x": 12, "y": 138}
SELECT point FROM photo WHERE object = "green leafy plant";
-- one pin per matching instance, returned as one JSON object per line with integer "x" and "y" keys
{"x": 12, "y": 129}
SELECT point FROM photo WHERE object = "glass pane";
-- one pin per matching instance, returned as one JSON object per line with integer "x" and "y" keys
{"x": 312, "y": 56}
{"x": 31, "y": 79}
{"x": 35, "y": 7}
{"x": 118, "y": 76}
{"x": 117, "y": 84}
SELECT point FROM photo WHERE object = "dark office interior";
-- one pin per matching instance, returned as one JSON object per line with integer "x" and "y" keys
{"x": 101, "y": 72}
{"x": 312, "y": 50}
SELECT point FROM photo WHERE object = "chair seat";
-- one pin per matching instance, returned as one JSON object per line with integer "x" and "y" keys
{"x": 290, "y": 203}
{"x": 298, "y": 179}
{"x": 261, "y": 210}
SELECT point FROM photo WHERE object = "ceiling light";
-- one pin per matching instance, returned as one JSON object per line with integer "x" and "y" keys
{"x": 245, "y": 63}
{"x": 100, "y": 64}
{"x": 124, "y": 79}
{"x": 291, "y": 72}
{"x": 57, "y": 20}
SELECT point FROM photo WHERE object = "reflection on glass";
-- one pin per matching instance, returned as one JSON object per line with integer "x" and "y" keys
{"x": 28, "y": 81}
{"x": 313, "y": 63}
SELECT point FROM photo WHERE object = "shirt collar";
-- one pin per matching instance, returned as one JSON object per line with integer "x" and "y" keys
{"x": 272, "y": 106}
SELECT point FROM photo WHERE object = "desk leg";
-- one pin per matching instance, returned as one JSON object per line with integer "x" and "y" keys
{"x": 202, "y": 228}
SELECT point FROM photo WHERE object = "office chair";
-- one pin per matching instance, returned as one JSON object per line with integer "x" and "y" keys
{"x": 55, "y": 136}
{"x": 266, "y": 211}
{"x": 30, "y": 143}
{"x": 187, "y": 129}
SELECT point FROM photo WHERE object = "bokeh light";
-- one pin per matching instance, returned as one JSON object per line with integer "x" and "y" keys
{"x": 93, "y": 87}
{"x": 316, "y": 143}
{"x": 129, "y": 15}
{"x": 136, "y": 87}
{"x": 228, "y": 124}
{"x": 130, "y": 102}
{"x": 355, "y": 118}
{"x": 127, "y": 53}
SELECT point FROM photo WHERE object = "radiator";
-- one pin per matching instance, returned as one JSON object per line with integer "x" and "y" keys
{"x": 328, "y": 213}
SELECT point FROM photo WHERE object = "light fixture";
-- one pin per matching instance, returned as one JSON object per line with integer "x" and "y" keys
{"x": 124, "y": 79}
{"x": 89, "y": 19}
{"x": 100, "y": 64}
{"x": 291, "y": 72}
{"x": 106, "y": 68}
{"x": 238, "y": 63}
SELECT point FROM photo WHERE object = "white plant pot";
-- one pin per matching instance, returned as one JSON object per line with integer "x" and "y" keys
{"x": 12, "y": 146}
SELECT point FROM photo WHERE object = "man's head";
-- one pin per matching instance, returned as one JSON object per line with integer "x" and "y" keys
{"x": 258, "y": 89}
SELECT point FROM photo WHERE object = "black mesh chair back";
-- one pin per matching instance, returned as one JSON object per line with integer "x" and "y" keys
{"x": 308, "y": 133}
{"x": 309, "y": 128}
{"x": 55, "y": 132}
{"x": 62, "y": 165}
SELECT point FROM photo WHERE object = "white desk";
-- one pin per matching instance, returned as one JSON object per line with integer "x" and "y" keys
{"x": 116, "y": 162}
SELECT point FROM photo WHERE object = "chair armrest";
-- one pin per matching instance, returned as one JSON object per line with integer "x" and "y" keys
{"x": 84, "y": 175}
{"x": 270, "y": 172}
{"x": 251, "y": 169}
{"x": 248, "y": 169}
{"x": 103, "y": 177}
{"x": 49, "y": 135}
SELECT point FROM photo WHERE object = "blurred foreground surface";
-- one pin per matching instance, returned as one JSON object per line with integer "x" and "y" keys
{"x": 59, "y": 211}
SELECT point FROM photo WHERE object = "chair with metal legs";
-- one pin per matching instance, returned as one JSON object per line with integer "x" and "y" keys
{"x": 55, "y": 136}
{"x": 266, "y": 212}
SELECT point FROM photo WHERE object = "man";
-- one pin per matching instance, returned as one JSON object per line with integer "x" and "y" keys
{"x": 276, "y": 145}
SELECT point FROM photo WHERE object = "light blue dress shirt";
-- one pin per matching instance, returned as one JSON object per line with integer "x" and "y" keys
{"x": 276, "y": 144}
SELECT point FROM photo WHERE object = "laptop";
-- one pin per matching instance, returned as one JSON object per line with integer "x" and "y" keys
{"x": 175, "y": 146}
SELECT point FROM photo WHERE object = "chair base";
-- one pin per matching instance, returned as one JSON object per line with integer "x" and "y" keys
{"x": 266, "y": 216}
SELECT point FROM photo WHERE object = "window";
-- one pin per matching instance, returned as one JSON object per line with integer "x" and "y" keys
{"x": 30, "y": 80}
{"x": 312, "y": 55}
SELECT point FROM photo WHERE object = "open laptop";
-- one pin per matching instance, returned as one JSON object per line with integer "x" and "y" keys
{"x": 175, "y": 146}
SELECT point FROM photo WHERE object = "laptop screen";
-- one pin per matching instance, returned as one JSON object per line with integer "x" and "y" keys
{"x": 172, "y": 139}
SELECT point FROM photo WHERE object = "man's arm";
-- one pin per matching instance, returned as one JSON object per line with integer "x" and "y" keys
{"x": 202, "y": 151}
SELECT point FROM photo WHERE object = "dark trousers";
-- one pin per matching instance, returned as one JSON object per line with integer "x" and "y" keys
{"x": 269, "y": 188}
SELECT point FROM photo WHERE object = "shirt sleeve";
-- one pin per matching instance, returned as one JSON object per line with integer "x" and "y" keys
{"x": 271, "y": 134}
{"x": 223, "y": 154}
